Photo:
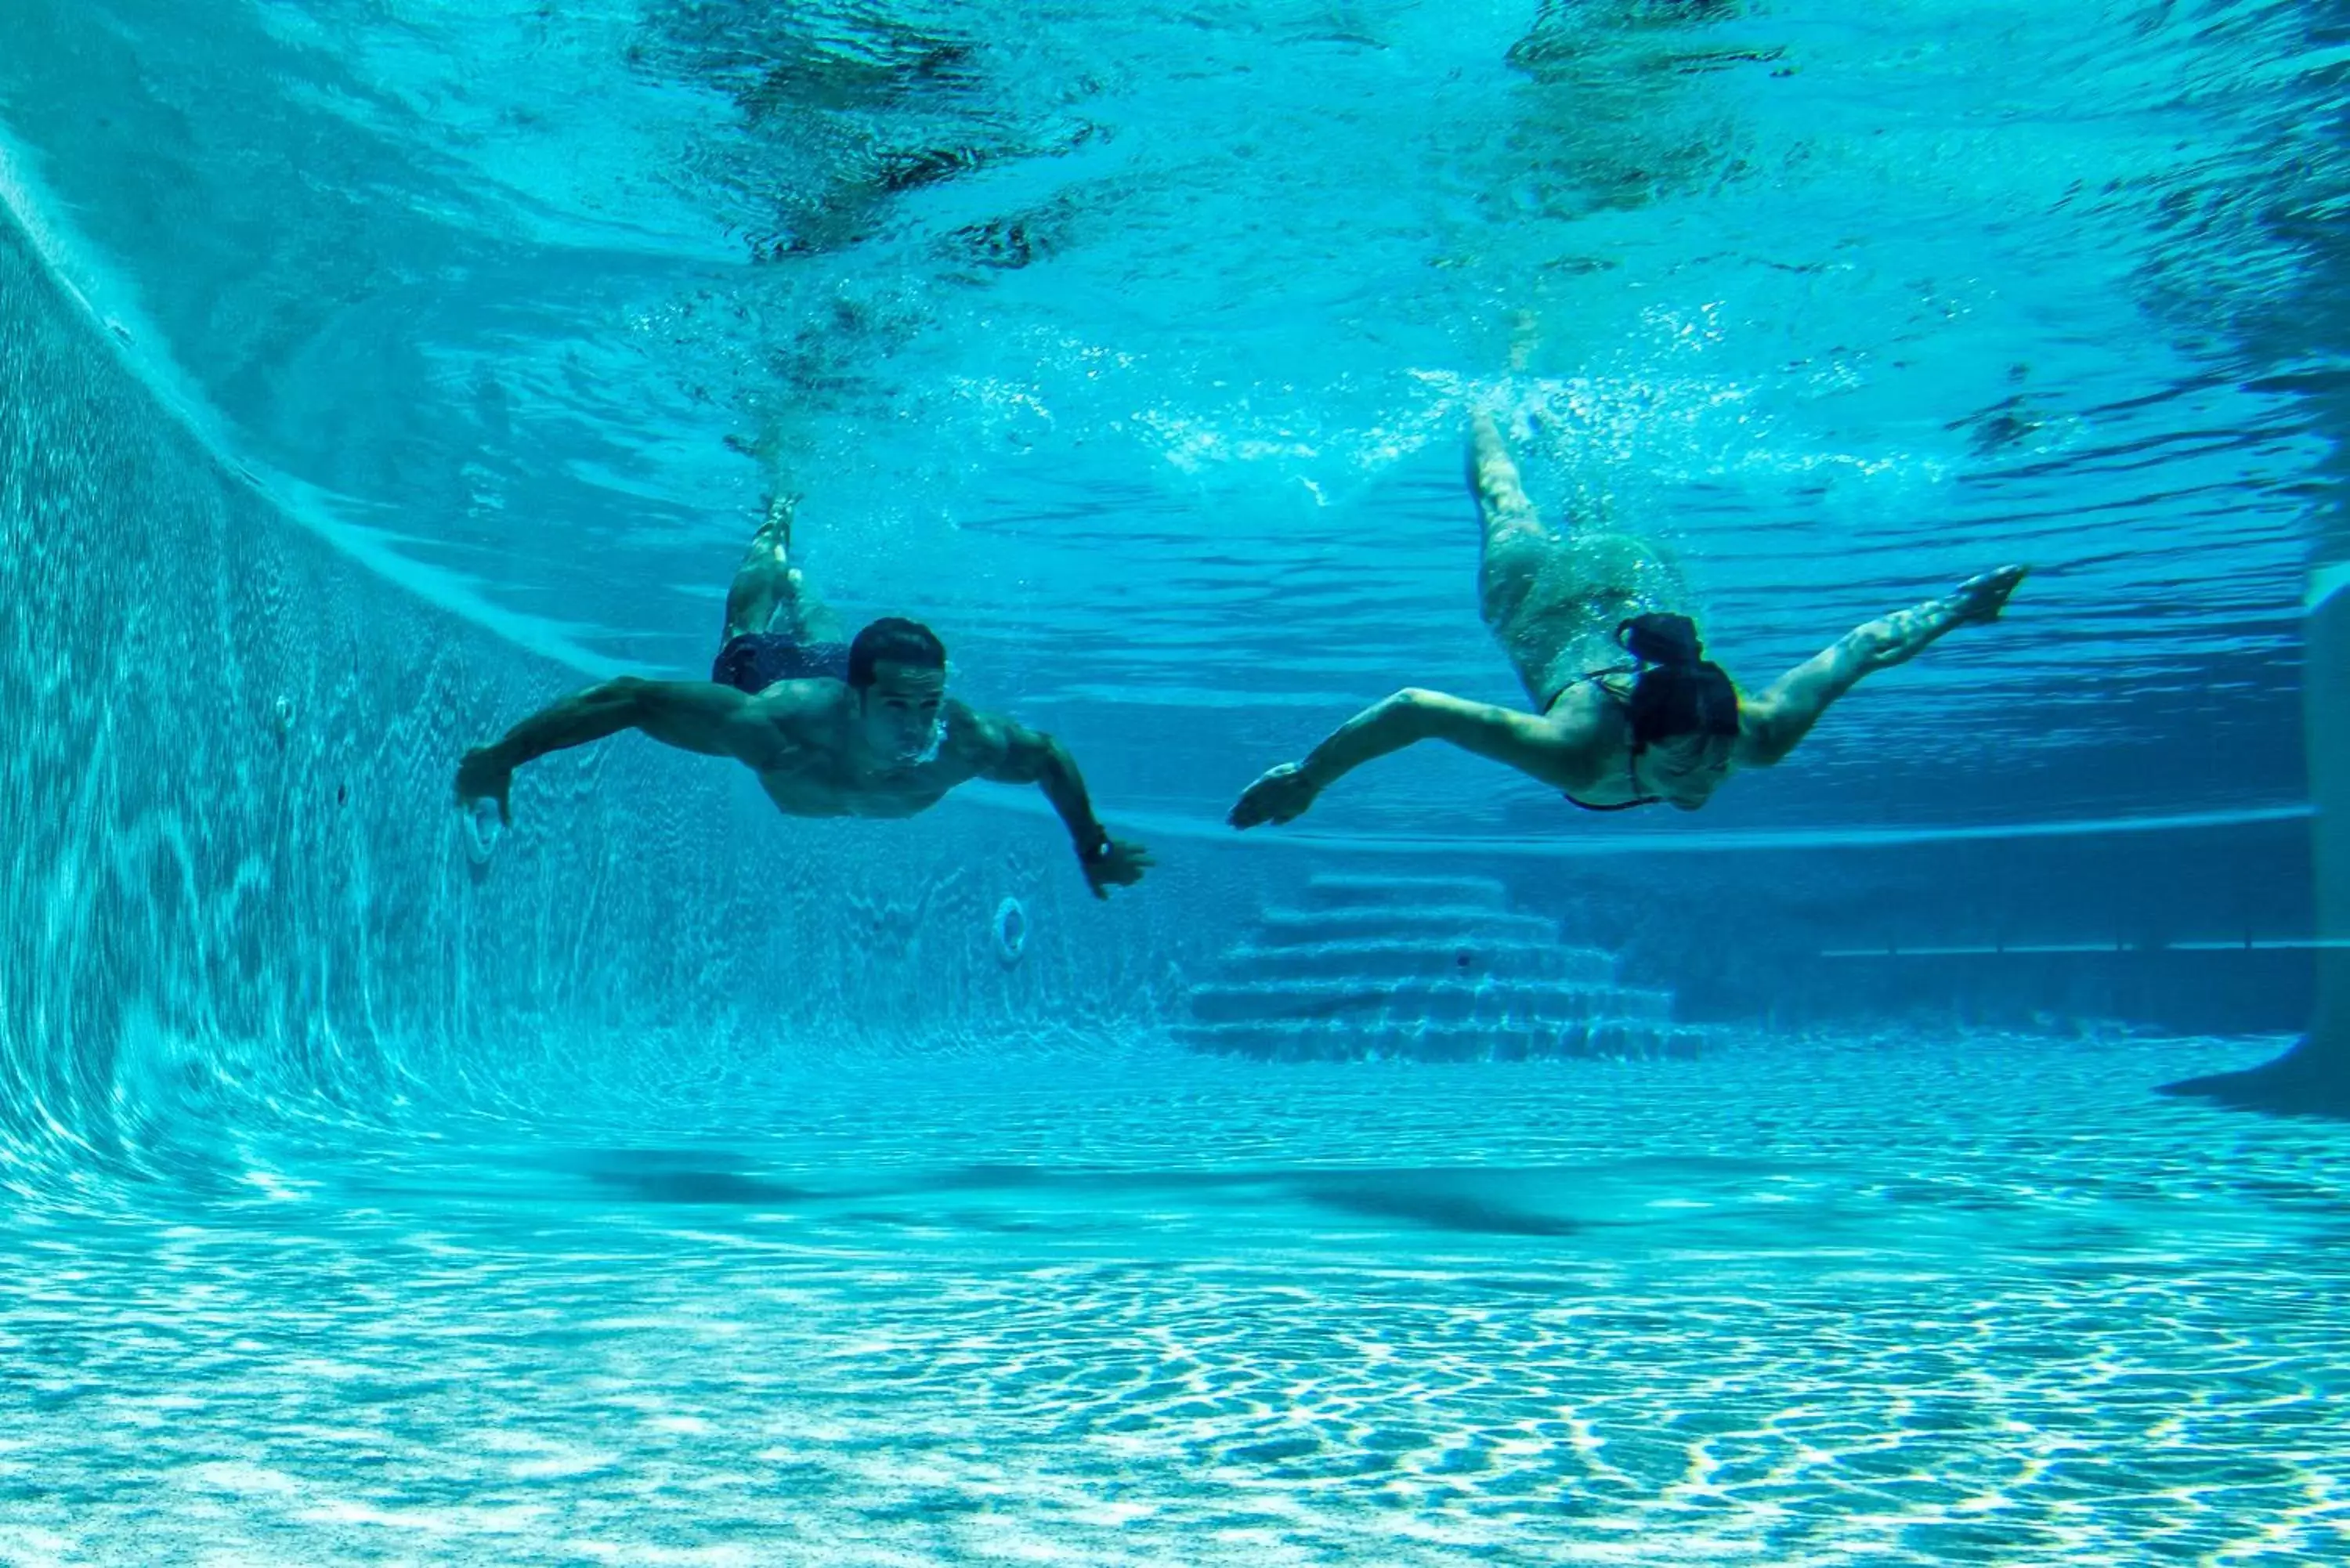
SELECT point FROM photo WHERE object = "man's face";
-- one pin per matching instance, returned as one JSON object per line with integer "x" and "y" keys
{"x": 898, "y": 716}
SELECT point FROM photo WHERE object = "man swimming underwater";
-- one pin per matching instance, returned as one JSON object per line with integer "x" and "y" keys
{"x": 861, "y": 729}
{"x": 1628, "y": 711}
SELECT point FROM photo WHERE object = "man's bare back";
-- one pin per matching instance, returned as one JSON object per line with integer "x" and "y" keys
{"x": 821, "y": 772}
{"x": 818, "y": 776}
{"x": 886, "y": 743}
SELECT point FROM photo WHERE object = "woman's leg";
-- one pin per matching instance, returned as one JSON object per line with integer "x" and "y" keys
{"x": 1554, "y": 601}
{"x": 1516, "y": 546}
{"x": 1520, "y": 564}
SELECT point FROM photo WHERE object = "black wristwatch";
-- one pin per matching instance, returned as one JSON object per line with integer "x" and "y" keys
{"x": 1098, "y": 851}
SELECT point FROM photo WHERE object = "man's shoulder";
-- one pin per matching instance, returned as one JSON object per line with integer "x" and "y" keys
{"x": 977, "y": 737}
{"x": 798, "y": 705}
{"x": 963, "y": 720}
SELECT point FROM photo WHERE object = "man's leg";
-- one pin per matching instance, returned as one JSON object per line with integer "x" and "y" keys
{"x": 768, "y": 593}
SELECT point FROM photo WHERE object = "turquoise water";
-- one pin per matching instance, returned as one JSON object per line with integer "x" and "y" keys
{"x": 1804, "y": 1303}
{"x": 1453, "y": 1178}
{"x": 1842, "y": 309}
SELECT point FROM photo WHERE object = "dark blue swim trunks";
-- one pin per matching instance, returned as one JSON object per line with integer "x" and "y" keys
{"x": 757, "y": 660}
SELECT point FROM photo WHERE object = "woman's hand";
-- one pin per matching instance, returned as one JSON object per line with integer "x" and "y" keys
{"x": 1980, "y": 598}
{"x": 1280, "y": 795}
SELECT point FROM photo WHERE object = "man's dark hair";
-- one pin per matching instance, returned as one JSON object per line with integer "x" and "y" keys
{"x": 1680, "y": 692}
{"x": 893, "y": 639}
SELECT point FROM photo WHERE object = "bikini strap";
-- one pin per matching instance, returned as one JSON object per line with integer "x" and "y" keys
{"x": 1599, "y": 677}
{"x": 1631, "y": 754}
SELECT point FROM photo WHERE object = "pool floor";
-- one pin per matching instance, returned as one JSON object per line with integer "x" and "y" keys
{"x": 1892, "y": 1300}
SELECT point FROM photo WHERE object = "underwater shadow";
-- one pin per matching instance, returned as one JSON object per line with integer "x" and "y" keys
{"x": 2309, "y": 1080}
{"x": 1436, "y": 1206}
{"x": 1436, "y": 1200}
{"x": 699, "y": 1187}
{"x": 684, "y": 1176}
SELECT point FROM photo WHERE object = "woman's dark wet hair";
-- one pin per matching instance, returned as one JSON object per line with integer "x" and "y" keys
{"x": 893, "y": 639}
{"x": 1679, "y": 692}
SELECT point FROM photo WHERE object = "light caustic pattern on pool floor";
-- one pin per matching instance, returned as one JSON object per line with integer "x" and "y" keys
{"x": 1979, "y": 1301}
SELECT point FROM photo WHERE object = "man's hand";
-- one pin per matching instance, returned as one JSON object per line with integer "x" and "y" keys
{"x": 1280, "y": 795}
{"x": 483, "y": 775}
{"x": 1120, "y": 864}
{"x": 1980, "y": 598}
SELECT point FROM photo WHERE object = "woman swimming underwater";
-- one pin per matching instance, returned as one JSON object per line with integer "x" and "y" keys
{"x": 1628, "y": 711}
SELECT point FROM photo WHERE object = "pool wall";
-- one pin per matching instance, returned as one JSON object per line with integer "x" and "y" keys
{"x": 228, "y": 850}
{"x": 229, "y": 859}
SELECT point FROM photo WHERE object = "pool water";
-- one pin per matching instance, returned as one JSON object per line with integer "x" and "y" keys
{"x": 1886, "y": 1300}
{"x": 655, "y": 1180}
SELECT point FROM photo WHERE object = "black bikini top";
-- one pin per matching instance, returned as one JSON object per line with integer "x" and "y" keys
{"x": 1631, "y": 758}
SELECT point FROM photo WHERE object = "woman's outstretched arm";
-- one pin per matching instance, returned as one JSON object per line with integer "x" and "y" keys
{"x": 1531, "y": 745}
{"x": 1785, "y": 713}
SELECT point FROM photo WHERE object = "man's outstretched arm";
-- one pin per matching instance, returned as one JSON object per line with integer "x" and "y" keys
{"x": 1523, "y": 741}
{"x": 1785, "y": 713}
{"x": 693, "y": 715}
{"x": 1008, "y": 752}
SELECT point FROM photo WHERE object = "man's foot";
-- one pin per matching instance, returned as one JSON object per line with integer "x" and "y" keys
{"x": 776, "y": 524}
{"x": 764, "y": 594}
